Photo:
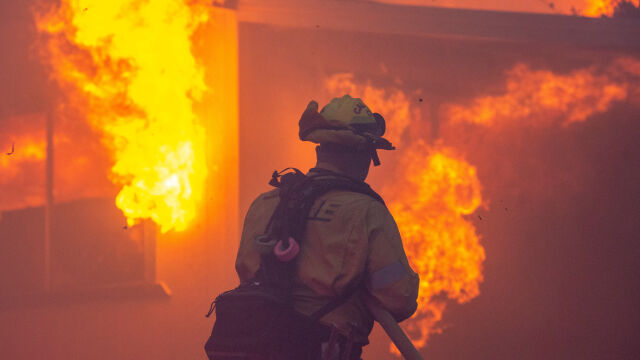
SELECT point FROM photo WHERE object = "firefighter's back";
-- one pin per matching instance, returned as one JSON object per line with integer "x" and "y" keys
{"x": 350, "y": 241}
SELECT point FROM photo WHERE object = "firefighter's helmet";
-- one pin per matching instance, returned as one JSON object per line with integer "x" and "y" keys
{"x": 345, "y": 121}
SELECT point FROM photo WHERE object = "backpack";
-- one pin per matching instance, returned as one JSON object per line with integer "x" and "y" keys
{"x": 257, "y": 320}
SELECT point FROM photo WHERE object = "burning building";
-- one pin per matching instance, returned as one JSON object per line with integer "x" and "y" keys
{"x": 137, "y": 133}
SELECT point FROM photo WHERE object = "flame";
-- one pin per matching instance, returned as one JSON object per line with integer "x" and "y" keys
{"x": 428, "y": 200}
{"x": 541, "y": 97}
{"x": 128, "y": 66}
{"x": 597, "y": 8}
{"x": 439, "y": 189}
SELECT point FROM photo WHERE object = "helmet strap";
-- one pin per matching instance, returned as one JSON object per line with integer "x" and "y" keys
{"x": 374, "y": 156}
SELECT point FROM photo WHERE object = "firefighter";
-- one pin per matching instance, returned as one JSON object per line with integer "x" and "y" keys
{"x": 349, "y": 247}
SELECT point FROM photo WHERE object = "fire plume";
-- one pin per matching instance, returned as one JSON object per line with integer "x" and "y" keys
{"x": 433, "y": 191}
{"x": 128, "y": 67}
{"x": 542, "y": 97}
{"x": 438, "y": 189}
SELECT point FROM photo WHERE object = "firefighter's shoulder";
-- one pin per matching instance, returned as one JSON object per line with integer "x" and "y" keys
{"x": 273, "y": 194}
{"x": 264, "y": 203}
{"x": 342, "y": 202}
{"x": 348, "y": 198}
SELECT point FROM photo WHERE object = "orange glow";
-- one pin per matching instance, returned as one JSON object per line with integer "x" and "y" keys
{"x": 18, "y": 152}
{"x": 541, "y": 97}
{"x": 22, "y": 161}
{"x": 30, "y": 148}
{"x": 128, "y": 66}
{"x": 429, "y": 198}
{"x": 596, "y": 8}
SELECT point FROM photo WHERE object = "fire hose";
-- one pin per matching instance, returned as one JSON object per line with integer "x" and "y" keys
{"x": 393, "y": 330}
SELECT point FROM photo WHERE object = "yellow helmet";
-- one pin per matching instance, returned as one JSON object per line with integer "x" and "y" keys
{"x": 346, "y": 121}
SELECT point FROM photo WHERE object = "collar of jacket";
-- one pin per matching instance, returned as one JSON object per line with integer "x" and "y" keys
{"x": 317, "y": 171}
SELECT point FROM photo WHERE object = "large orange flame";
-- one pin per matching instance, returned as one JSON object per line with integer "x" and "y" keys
{"x": 431, "y": 195}
{"x": 128, "y": 65}
{"x": 542, "y": 97}
{"x": 439, "y": 189}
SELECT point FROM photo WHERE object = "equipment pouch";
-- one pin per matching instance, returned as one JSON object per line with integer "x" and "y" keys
{"x": 255, "y": 321}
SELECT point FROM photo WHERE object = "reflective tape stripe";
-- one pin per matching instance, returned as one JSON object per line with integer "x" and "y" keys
{"x": 387, "y": 275}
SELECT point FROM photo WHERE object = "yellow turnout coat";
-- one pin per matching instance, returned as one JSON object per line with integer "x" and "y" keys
{"x": 348, "y": 235}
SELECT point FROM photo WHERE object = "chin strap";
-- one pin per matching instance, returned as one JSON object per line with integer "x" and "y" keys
{"x": 378, "y": 143}
{"x": 374, "y": 157}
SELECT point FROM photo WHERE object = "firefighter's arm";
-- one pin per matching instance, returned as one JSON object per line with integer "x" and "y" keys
{"x": 391, "y": 281}
{"x": 247, "y": 259}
